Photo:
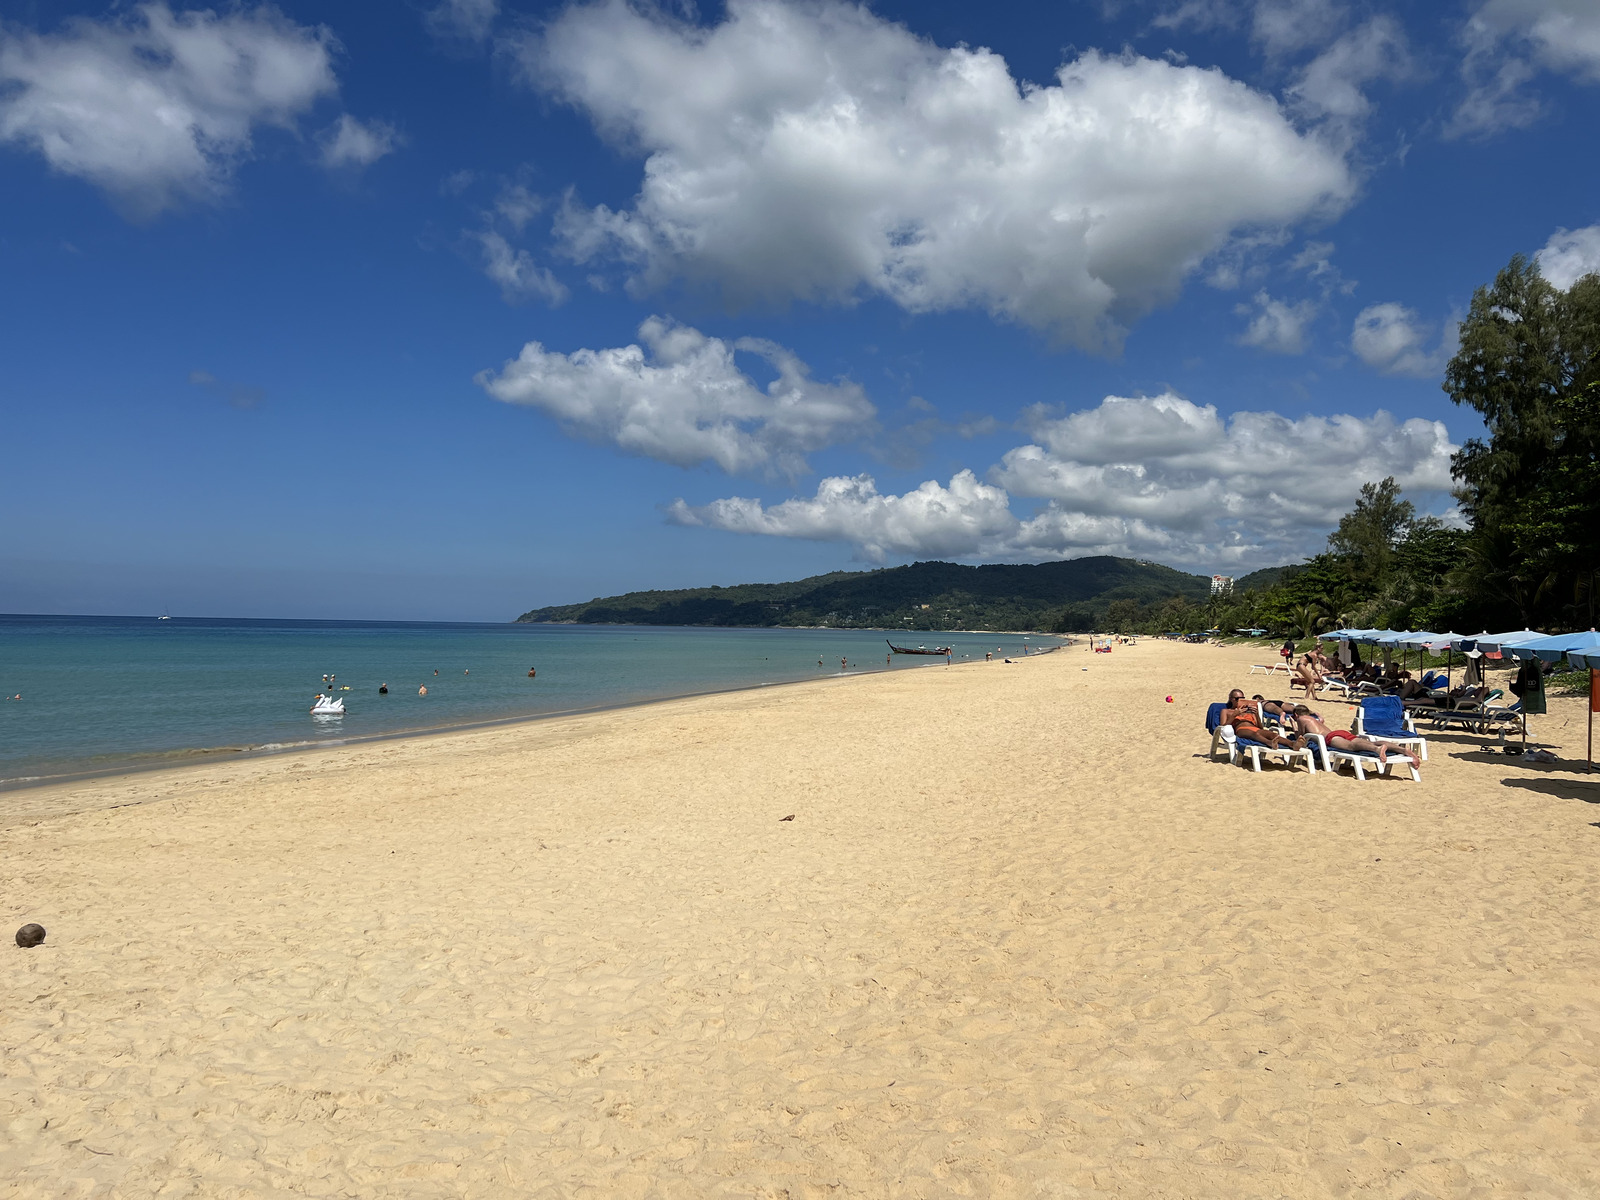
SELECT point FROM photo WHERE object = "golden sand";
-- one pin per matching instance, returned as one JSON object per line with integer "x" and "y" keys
{"x": 1022, "y": 938}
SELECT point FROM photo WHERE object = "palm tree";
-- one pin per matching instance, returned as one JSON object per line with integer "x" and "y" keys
{"x": 1309, "y": 619}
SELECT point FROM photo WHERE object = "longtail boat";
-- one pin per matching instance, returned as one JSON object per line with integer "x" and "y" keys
{"x": 918, "y": 650}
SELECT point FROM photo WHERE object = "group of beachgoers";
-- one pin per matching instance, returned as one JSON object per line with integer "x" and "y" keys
{"x": 1317, "y": 670}
{"x": 1287, "y": 726}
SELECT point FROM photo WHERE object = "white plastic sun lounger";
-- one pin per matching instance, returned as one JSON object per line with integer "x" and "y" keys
{"x": 1362, "y": 763}
{"x": 1225, "y": 738}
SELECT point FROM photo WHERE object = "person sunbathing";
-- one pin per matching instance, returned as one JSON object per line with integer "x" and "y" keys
{"x": 1274, "y": 708}
{"x": 1343, "y": 739}
{"x": 1412, "y": 689}
{"x": 1246, "y": 722}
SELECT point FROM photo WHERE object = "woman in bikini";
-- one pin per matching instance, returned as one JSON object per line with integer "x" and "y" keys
{"x": 1308, "y": 677}
{"x": 1246, "y": 722}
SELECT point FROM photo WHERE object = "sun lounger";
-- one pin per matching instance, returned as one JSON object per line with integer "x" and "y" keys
{"x": 1360, "y": 762}
{"x": 1237, "y": 746}
{"x": 1224, "y": 740}
{"x": 1479, "y": 715}
{"x": 1385, "y": 719}
{"x": 1270, "y": 668}
{"x": 1364, "y": 688}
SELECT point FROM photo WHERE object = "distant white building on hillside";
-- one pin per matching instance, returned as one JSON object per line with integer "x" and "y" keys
{"x": 1222, "y": 585}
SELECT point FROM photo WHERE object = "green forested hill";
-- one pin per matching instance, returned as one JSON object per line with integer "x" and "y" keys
{"x": 923, "y": 596}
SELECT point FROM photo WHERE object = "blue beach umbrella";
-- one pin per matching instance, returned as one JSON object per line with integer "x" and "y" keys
{"x": 1557, "y": 646}
{"x": 1422, "y": 639}
{"x": 1500, "y": 643}
{"x": 1371, "y": 637}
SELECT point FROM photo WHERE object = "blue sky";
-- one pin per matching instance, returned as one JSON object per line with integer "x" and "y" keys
{"x": 450, "y": 310}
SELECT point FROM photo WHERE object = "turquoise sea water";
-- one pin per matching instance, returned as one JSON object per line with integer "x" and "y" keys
{"x": 115, "y": 693}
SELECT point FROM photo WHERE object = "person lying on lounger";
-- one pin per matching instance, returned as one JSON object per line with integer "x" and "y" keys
{"x": 1274, "y": 708}
{"x": 1246, "y": 722}
{"x": 1412, "y": 689}
{"x": 1343, "y": 739}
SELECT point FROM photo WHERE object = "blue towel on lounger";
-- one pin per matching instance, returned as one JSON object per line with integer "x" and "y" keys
{"x": 1384, "y": 717}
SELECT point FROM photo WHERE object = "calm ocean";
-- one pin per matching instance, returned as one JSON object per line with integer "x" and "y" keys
{"x": 114, "y": 693}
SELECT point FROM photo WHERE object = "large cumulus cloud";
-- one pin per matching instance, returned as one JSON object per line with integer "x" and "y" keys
{"x": 816, "y": 151}
{"x": 683, "y": 399}
{"x": 1156, "y": 476}
{"x": 156, "y": 107}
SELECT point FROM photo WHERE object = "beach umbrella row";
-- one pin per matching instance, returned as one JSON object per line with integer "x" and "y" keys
{"x": 1581, "y": 650}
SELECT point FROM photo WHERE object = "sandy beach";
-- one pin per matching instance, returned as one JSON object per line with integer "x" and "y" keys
{"x": 1021, "y": 938}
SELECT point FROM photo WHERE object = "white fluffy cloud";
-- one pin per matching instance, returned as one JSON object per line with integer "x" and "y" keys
{"x": 687, "y": 401}
{"x": 958, "y": 521}
{"x": 1146, "y": 476}
{"x": 816, "y": 151}
{"x": 352, "y": 143}
{"x": 156, "y": 107}
{"x": 1569, "y": 255}
{"x": 1276, "y": 325}
{"x": 1393, "y": 340}
{"x": 1169, "y": 461}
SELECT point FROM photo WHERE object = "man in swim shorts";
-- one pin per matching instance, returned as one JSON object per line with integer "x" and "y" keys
{"x": 1343, "y": 739}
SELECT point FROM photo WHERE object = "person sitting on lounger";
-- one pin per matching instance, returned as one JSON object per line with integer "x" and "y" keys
{"x": 1246, "y": 722}
{"x": 1343, "y": 739}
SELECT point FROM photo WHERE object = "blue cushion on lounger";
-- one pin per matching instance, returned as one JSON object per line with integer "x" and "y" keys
{"x": 1384, "y": 716}
{"x": 1214, "y": 717}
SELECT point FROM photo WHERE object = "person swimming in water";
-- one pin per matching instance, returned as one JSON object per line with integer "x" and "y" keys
{"x": 532, "y": 673}
{"x": 383, "y": 689}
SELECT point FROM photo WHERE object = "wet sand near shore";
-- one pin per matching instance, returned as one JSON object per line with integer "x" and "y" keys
{"x": 1021, "y": 938}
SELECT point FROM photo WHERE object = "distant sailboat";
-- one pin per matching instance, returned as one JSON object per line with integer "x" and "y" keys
{"x": 165, "y": 616}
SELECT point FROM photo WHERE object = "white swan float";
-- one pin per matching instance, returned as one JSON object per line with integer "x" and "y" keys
{"x": 327, "y": 706}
